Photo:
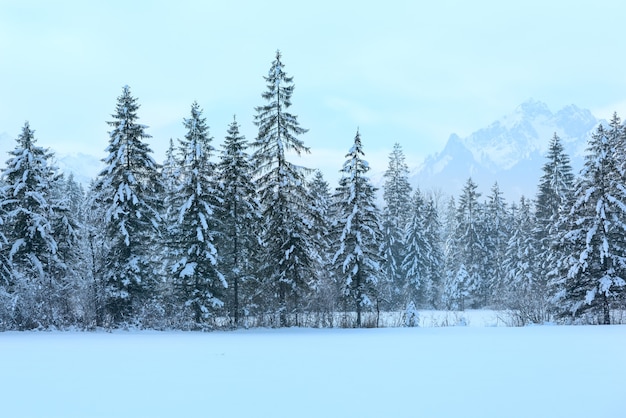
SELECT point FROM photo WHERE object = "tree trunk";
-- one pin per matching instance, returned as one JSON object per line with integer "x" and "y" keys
{"x": 606, "y": 309}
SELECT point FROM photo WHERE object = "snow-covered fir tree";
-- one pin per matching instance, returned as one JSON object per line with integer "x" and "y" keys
{"x": 198, "y": 284}
{"x": 457, "y": 288}
{"x": 436, "y": 266}
{"x": 450, "y": 259}
{"x": 555, "y": 191}
{"x": 169, "y": 253}
{"x": 553, "y": 201}
{"x": 592, "y": 280}
{"x": 95, "y": 252}
{"x": 170, "y": 179}
{"x": 66, "y": 199}
{"x": 240, "y": 217}
{"x": 524, "y": 292}
{"x": 125, "y": 191}
{"x": 32, "y": 247}
{"x": 326, "y": 295}
{"x": 321, "y": 197}
{"x": 417, "y": 253}
{"x": 6, "y": 274}
{"x": 396, "y": 215}
{"x": 497, "y": 225}
{"x": 357, "y": 227}
{"x": 470, "y": 244}
{"x": 287, "y": 264}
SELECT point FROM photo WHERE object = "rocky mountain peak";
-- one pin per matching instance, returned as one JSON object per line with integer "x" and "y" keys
{"x": 510, "y": 150}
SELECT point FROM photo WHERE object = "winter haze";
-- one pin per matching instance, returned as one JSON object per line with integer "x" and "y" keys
{"x": 405, "y": 72}
{"x": 205, "y": 270}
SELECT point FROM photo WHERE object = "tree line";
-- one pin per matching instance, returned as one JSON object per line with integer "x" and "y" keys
{"x": 242, "y": 236}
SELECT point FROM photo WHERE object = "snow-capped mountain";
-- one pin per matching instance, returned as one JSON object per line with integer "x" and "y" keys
{"x": 510, "y": 151}
{"x": 84, "y": 167}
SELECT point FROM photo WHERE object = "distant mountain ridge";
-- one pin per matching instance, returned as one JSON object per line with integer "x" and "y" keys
{"x": 84, "y": 167}
{"x": 510, "y": 151}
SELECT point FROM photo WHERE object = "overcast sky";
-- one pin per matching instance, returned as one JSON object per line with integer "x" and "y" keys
{"x": 411, "y": 72}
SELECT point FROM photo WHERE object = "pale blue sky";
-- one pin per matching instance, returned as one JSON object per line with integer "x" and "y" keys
{"x": 411, "y": 72}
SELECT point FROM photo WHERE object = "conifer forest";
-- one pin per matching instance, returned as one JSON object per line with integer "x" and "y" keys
{"x": 241, "y": 235}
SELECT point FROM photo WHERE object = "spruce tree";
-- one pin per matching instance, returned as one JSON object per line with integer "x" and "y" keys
{"x": 416, "y": 262}
{"x": 357, "y": 226}
{"x": 496, "y": 239}
{"x": 169, "y": 252}
{"x": 170, "y": 179}
{"x": 555, "y": 191}
{"x": 396, "y": 215}
{"x": 28, "y": 178}
{"x": 287, "y": 263}
{"x": 470, "y": 243}
{"x": 125, "y": 190}
{"x": 451, "y": 260}
{"x": 6, "y": 275}
{"x": 95, "y": 248}
{"x": 240, "y": 217}
{"x": 553, "y": 201}
{"x": 597, "y": 229}
{"x": 66, "y": 201}
{"x": 523, "y": 290}
{"x": 435, "y": 261}
{"x": 321, "y": 225}
{"x": 198, "y": 283}
{"x": 321, "y": 198}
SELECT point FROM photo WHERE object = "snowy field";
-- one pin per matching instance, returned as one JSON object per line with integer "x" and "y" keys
{"x": 542, "y": 371}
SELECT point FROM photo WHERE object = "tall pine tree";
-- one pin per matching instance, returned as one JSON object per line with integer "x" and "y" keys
{"x": 199, "y": 284}
{"x": 416, "y": 261}
{"x": 288, "y": 264}
{"x": 396, "y": 215}
{"x": 553, "y": 201}
{"x": 326, "y": 297}
{"x": 470, "y": 244}
{"x": 32, "y": 247}
{"x": 497, "y": 226}
{"x": 358, "y": 230}
{"x": 597, "y": 236}
{"x": 125, "y": 190}
{"x": 239, "y": 216}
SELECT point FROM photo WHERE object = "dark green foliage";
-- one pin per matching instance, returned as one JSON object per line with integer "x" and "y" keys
{"x": 126, "y": 190}
{"x": 198, "y": 284}
{"x": 591, "y": 278}
{"x": 357, "y": 229}
{"x": 287, "y": 264}
{"x": 240, "y": 221}
{"x": 469, "y": 242}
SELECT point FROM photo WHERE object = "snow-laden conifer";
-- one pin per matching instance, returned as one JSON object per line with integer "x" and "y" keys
{"x": 396, "y": 215}
{"x": 29, "y": 177}
{"x": 497, "y": 233}
{"x": 417, "y": 252}
{"x": 198, "y": 283}
{"x": 322, "y": 216}
{"x": 287, "y": 265}
{"x": 125, "y": 190}
{"x": 593, "y": 268}
{"x": 524, "y": 292}
{"x": 169, "y": 252}
{"x": 240, "y": 219}
{"x": 432, "y": 290}
{"x": 357, "y": 227}
{"x": 553, "y": 202}
{"x": 470, "y": 243}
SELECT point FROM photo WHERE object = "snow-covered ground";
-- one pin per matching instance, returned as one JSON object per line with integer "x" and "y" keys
{"x": 541, "y": 371}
